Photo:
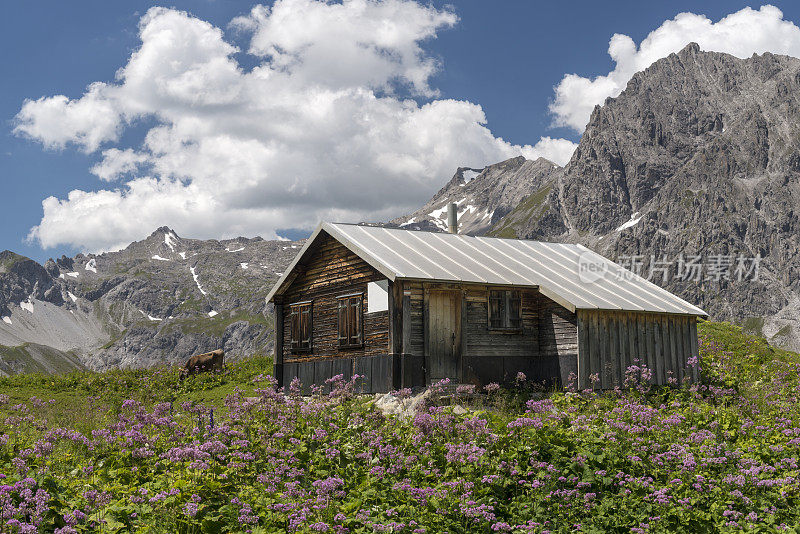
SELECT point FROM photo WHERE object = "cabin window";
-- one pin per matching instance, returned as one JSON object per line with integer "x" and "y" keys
{"x": 505, "y": 310}
{"x": 351, "y": 331}
{"x": 301, "y": 327}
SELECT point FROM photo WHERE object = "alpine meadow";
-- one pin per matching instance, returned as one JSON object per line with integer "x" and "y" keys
{"x": 399, "y": 267}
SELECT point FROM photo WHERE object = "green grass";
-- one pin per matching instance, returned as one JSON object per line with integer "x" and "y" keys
{"x": 215, "y": 326}
{"x": 192, "y": 305}
{"x": 114, "y": 339}
{"x": 19, "y": 359}
{"x": 754, "y": 325}
{"x": 19, "y": 355}
{"x": 148, "y": 386}
{"x": 744, "y": 345}
{"x": 8, "y": 259}
{"x": 719, "y": 457}
{"x": 530, "y": 209}
{"x": 784, "y": 331}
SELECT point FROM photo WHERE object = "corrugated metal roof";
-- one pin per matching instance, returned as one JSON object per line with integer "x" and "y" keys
{"x": 571, "y": 275}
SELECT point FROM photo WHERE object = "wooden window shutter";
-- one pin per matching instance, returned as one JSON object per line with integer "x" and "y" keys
{"x": 496, "y": 309}
{"x": 355, "y": 322}
{"x": 514, "y": 309}
{"x": 301, "y": 327}
{"x": 305, "y": 326}
{"x": 505, "y": 310}
{"x": 351, "y": 321}
{"x": 343, "y": 336}
{"x": 295, "y": 328}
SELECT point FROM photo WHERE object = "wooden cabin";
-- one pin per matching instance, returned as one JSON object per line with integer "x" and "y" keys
{"x": 406, "y": 308}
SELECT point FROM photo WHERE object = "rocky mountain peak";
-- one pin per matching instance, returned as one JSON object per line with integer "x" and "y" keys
{"x": 698, "y": 156}
{"x": 158, "y": 300}
{"x": 483, "y": 196}
{"x": 162, "y": 230}
{"x": 690, "y": 50}
{"x": 8, "y": 259}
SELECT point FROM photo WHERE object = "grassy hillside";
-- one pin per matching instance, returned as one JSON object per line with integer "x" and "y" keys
{"x": 35, "y": 358}
{"x": 141, "y": 451}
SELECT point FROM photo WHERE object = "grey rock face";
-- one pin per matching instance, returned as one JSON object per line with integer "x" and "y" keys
{"x": 700, "y": 155}
{"x": 159, "y": 300}
{"x": 484, "y": 196}
{"x": 22, "y": 278}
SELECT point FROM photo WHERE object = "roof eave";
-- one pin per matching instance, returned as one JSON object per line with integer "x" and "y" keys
{"x": 331, "y": 230}
{"x": 277, "y": 289}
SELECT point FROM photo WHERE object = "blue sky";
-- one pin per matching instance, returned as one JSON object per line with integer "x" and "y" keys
{"x": 504, "y": 56}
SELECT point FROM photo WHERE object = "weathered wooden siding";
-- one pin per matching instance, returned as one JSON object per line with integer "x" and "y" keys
{"x": 545, "y": 347}
{"x": 497, "y": 356}
{"x": 485, "y": 343}
{"x": 558, "y": 339}
{"x": 415, "y": 292}
{"x": 332, "y": 271}
{"x": 609, "y": 342}
{"x": 552, "y": 343}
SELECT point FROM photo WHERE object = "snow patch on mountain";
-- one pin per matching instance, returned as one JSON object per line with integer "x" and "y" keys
{"x": 634, "y": 220}
{"x": 197, "y": 281}
{"x": 170, "y": 240}
{"x": 469, "y": 175}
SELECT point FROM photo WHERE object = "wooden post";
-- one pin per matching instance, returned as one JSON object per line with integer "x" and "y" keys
{"x": 614, "y": 353}
{"x": 395, "y": 335}
{"x": 278, "y": 358}
{"x": 406, "y": 319}
{"x": 687, "y": 350}
{"x": 426, "y": 340}
{"x": 583, "y": 351}
{"x": 594, "y": 349}
{"x": 406, "y": 372}
{"x": 463, "y": 342}
{"x": 390, "y": 319}
{"x": 694, "y": 348}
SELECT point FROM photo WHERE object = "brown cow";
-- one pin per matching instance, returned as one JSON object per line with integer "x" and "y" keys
{"x": 200, "y": 363}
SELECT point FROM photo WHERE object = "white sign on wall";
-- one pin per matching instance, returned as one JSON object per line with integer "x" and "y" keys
{"x": 378, "y": 296}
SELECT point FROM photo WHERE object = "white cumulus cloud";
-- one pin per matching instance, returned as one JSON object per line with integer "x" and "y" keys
{"x": 556, "y": 150}
{"x": 337, "y": 121}
{"x": 742, "y": 34}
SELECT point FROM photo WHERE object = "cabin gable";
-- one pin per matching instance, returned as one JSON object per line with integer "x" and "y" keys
{"x": 328, "y": 272}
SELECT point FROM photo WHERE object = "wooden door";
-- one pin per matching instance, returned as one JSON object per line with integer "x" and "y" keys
{"x": 444, "y": 335}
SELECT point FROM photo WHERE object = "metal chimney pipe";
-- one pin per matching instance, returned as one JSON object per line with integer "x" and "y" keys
{"x": 452, "y": 218}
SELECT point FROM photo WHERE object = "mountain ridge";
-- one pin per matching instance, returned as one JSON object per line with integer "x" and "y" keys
{"x": 160, "y": 299}
{"x": 697, "y": 157}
